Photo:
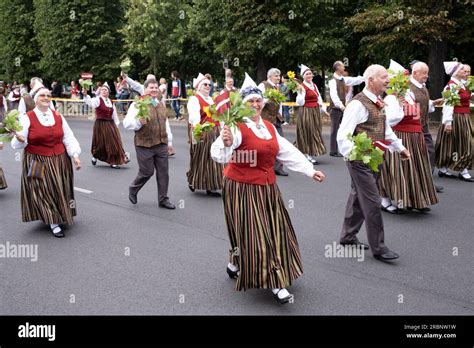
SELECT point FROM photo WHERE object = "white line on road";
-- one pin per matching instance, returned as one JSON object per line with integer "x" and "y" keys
{"x": 82, "y": 190}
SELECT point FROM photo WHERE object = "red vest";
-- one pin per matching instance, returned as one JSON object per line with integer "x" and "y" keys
{"x": 103, "y": 112}
{"x": 204, "y": 116}
{"x": 252, "y": 162}
{"x": 465, "y": 103}
{"x": 311, "y": 97}
{"x": 411, "y": 121}
{"x": 45, "y": 141}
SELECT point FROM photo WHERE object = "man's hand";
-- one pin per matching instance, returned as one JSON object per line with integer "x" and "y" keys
{"x": 77, "y": 162}
{"x": 401, "y": 100}
{"x": 84, "y": 91}
{"x": 227, "y": 136}
{"x": 319, "y": 176}
{"x": 123, "y": 75}
{"x": 438, "y": 102}
{"x": 1, "y": 146}
{"x": 405, "y": 155}
{"x": 143, "y": 121}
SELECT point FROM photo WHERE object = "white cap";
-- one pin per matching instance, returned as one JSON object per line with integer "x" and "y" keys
{"x": 106, "y": 85}
{"x": 395, "y": 68}
{"x": 39, "y": 91}
{"x": 35, "y": 89}
{"x": 452, "y": 68}
{"x": 249, "y": 89}
{"x": 199, "y": 80}
{"x": 304, "y": 68}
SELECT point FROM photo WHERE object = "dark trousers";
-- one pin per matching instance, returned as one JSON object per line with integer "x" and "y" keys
{"x": 364, "y": 205}
{"x": 430, "y": 145}
{"x": 336, "y": 118}
{"x": 277, "y": 124}
{"x": 149, "y": 160}
{"x": 175, "y": 103}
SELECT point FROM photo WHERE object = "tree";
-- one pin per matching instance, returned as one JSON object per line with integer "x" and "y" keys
{"x": 18, "y": 46}
{"x": 78, "y": 35}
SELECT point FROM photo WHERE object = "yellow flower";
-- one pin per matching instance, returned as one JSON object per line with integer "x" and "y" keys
{"x": 291, "y": 74}
{"x": 206, "y": 110}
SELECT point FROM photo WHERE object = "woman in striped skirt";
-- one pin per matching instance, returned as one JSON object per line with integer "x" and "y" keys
{"x": 106, "y": 141}
{"x": 454, "y": 144}
{"x": 3, "y": 181}
{"x": 204, "y": 173}
{"x": 309, "y": 139}
{"x": 409, "y": 184}
{"x": 47, "y": 190}
{"x": 264, "y": 250}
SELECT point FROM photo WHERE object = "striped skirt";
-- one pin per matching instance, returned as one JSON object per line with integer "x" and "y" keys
{"x": 50, "y": 199}
{"x": 107, "y": 143}
{"x": 455, "y": 149}
{"x": 205, "y": 173}
{"x": 3, "y": 181}
{"x": 309, "y": 139}
{"x": 408, "y": 183}
{"x": 263, "y": 241}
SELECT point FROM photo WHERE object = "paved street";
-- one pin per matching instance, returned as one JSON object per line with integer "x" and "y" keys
{"x": 118, "y": 258}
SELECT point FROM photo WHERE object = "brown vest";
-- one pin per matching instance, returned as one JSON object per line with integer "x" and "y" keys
{"x": 29, "y": 102}
{"x": 154, "y": 131}
{"x": 375, "y": 124}
{"x": 341, "y": 93}
{"x": 422, "y": 97}
{"x": 271, "y": 110}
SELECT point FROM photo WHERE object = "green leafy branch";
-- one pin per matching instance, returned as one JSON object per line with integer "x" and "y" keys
{"x": 365, "y": 151}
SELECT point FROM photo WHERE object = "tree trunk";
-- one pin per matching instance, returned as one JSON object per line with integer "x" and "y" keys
{"x": 437, "y": 53}
{"x": 261, "y": 70}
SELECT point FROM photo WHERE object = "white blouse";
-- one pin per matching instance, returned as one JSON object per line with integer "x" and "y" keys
{"x": 47, "y": 119}
{"x": 194, "y": 108}
{"x": 95, "y": 103}
{"x": 288, "y": 155}
{"x": 300, "y": 97}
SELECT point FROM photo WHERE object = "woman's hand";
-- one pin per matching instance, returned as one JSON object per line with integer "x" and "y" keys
{"x": 19, "y": 137}
{"x": 84, "y": 91}
{"x": 77, "y": 162}
{"x": 448, "y": 128}
{"x": 319, "y": 176}
{"x": 227, "y": 136}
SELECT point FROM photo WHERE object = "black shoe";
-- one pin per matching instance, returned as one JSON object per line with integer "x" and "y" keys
{"x": 389, "y": 255}
{"x": 314, "y": 162}
{"x": 213, "y": 193}
{"x": 439, "y": 188}
{"x": 446, "y": 175}
{"x": 395, "y": 211}
{"x": 59, "y": 234}
{"x": 356, "y": 243}
{"x": 281, "y": 172}
{"x": 232, "y": 274}
{"x": 282, "y": 300}
{"x": 471, "y": 179}
{"x": 133, "y": 198}
{"x": 423, "y": 210}
{"x": 191, "y": 188}
{"x": 93, "y": 161}
{"x": 335, "y": 154}
{"x": 114, "y": 166}
{"x": 167, "y": 204}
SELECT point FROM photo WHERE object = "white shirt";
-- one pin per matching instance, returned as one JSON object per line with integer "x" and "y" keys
{"x": 5, "y": 105}
{"x": 288, "y": 155}
{"x": 163, "y": 89}
{"x": 431, "y": 106}
{"x": 448, "y": 110}
{"x": 356, "y": 113}
{"x": 136, "y": 86}
{"x": 194, "y": 108}
{"x": 348, "y": 80}
{"x": 131, "y": 123}
{"x": 12, "y": 98}
{"x": 302, "y": 94}
{"x": 95, "y": 103}
{"x": 47, "y": 119}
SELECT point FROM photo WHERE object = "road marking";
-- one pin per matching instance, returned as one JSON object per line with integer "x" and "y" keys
{"x": 82, "y": 190}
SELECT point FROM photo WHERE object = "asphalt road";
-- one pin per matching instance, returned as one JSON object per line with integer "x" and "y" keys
{"x": 118, "y": 258}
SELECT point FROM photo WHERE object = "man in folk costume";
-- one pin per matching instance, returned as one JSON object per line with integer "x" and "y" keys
{"x": 418, "y": 78}
{"x": 309, "y": 139}
{"x": 106, "y": 141}
{"x": 204, "y": 173}
{"x": 135, "y": 85}
{"x": 272, "y": 112}
{"x": 27, "y": 102}
{"x": 338, "y": 88}
{"x": 454, "y": 144}
{"x": 152, "y": 139}
{"x": 409, "y": 184}
{"x": 365, "y": 114}
{"x": 229, "y": 85}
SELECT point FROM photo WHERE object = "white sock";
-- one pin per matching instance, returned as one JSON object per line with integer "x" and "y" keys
{"x": 232, "y": 267}
{"x": 282, "y": 293}
{"x": 55, "y": 228}
{"x": 443, "y": 170}
{"x": 465, "y": 173}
